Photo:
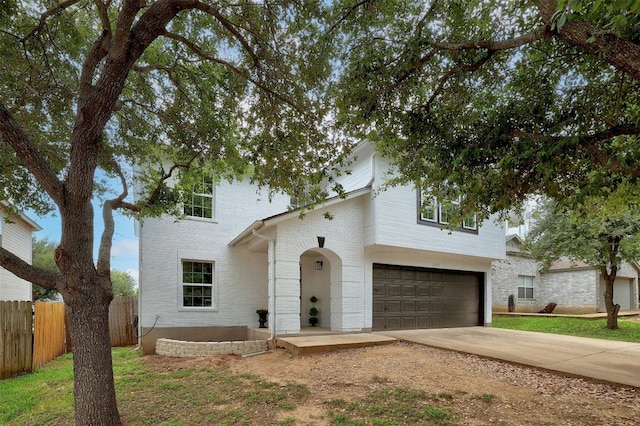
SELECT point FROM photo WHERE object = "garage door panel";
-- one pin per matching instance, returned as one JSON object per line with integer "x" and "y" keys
{"x": 423, "y": 289}
{"x": 436, "y": 290}
{"x": 394, "y": 322}
{"x": 423, "y": 322}
{"x": 410, "y": 298}
{"x": 423, "y": 306}
{"x": 409, "y": 306}
{"x": 409, "y": 322}
{"x": 378, "y": 323}
{"x": 409, "y": 290}
{"x": 436, "y": 306}
{"x": 394, "y": 289}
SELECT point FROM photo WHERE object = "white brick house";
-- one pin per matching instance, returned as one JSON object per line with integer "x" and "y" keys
{"x": 575, "y": 288}
{"x": 15, "y": 236}
{"x": 376, "y": 265}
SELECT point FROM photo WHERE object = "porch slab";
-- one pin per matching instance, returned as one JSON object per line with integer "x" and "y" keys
{"x": 312, "y": 344}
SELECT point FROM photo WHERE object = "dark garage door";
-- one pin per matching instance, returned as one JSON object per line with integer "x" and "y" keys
{"x": 411, "y": 298}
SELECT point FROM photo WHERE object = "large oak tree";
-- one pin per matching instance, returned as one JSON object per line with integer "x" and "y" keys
{"x": 497, "y": 100}
{"x": 93, "y": 86}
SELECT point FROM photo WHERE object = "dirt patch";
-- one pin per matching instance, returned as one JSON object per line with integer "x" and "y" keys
{"x": 479, "y": 391}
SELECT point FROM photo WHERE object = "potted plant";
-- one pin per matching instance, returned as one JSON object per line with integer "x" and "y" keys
{"x": 262, "y": 316}
{"x": 313, "y": 312}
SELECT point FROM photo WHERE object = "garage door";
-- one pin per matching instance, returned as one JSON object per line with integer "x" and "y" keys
{"x": 622, "y": 293}
{"x": 412, "y": 298}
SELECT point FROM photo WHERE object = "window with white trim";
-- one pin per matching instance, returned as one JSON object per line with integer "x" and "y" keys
{"x": 433, "y": 212}
{"x": 197, "y": 284}
{"x": 525, "y": 287}
{"x": 199, "y": 203}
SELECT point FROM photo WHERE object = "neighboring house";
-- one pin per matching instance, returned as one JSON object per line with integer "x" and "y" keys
{"x": 574, "y": 287}
{"x": 15, "y": 236}
{"x": 376, "y": 265}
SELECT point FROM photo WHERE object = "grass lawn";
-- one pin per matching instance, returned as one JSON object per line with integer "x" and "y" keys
{"x": 629, "y": 331}
{"x": 203, "y": 395}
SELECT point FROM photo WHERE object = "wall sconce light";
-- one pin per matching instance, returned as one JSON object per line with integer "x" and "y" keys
{"x": 320, "y": 242}
{"x": 318, "y": 265}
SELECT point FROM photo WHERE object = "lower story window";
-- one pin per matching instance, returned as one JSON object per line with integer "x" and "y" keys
{"x": 197, "y": 284}
{"x": 525, "y": 287}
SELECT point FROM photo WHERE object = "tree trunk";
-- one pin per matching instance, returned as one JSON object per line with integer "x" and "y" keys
{"x": 94, "y": 390}
{"x": 612, "y": 308}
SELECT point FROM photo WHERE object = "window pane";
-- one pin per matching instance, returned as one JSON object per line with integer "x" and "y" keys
{"x": 470, "y": 222}
{"x": 520, "y": 292}
{"x": 529, "y": 293}
{"x": 200, "y": 202}
{"x": 196, "y": 296}
{"x": 446, "y": 212}
{"x": 200, "y": 274}
{"x": 429, "y": 208}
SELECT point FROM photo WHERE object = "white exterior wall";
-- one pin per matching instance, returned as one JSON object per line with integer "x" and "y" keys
{"x": 396, "y": 224}
{"x": 361, "y": 171}
{"x": 344, "y": 252}
{"x": 371, "y": 228}
{"x": 15, "y": 237}
{"x": 240, "y": 276}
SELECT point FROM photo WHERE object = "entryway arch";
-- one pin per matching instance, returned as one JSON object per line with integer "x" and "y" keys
{"x": 320, "y": 276}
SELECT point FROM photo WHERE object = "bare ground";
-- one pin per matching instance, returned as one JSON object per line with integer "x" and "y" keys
{"x": 479, "y": 391}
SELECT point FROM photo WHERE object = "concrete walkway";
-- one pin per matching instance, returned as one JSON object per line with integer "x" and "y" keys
{"x": 313, "y": 343}
{"x": 604, "y": 360}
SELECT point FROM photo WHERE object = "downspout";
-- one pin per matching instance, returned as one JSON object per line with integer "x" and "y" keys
{"x": 367, "y": 257}
{"x": 272, "y": 282}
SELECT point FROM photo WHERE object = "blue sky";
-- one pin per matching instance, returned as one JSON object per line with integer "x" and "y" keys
{"x": 124, "y": 252}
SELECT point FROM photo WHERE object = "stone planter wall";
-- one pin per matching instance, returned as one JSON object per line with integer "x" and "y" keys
{"x": 178, "y": 348}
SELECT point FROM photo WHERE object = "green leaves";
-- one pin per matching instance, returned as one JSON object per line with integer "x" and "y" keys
{"x": 484, "y": 100}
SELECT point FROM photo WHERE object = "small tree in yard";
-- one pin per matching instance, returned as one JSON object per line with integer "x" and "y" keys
{"x": 602, "y": 232}
{"x": 168, "y": 85}
{"x": 122, "y": 283}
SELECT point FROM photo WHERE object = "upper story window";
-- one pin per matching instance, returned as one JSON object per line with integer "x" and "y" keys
{"x": 299, "y": 199}
{"x": 432, "y": 212}
{"x": 199, "y": 203}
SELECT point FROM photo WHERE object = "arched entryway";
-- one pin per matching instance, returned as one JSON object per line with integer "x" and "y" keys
{"x": 320, "y": 276}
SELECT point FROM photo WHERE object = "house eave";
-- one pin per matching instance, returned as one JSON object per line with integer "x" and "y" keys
{"x": 247, "y": 234}
{"x": 26, "y": 219}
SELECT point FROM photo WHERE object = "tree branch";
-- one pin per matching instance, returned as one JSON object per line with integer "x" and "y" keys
{"x": 21, "y": 269}
{"x": 589, "y": 145}
{"x": 229, "y": 26}
{"x": 47, "y": 14}
{"x": 496, "y": 45}
{"x": 12, "y": 134}
{"x": 621, "y": 54}
{"x": 242, "y": 73}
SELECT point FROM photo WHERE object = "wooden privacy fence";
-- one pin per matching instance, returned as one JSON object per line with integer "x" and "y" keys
{"x": 16, "y": 322}
{"x": 49, "y": 332}
{"x": 33, "y": 333}
{"x": 121, "y": 314}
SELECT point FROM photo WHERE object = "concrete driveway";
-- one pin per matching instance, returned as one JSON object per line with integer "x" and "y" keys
{"x": 604, "y": 360}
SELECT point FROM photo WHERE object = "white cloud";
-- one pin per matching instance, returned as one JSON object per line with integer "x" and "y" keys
{"x": 125, "y": 248}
